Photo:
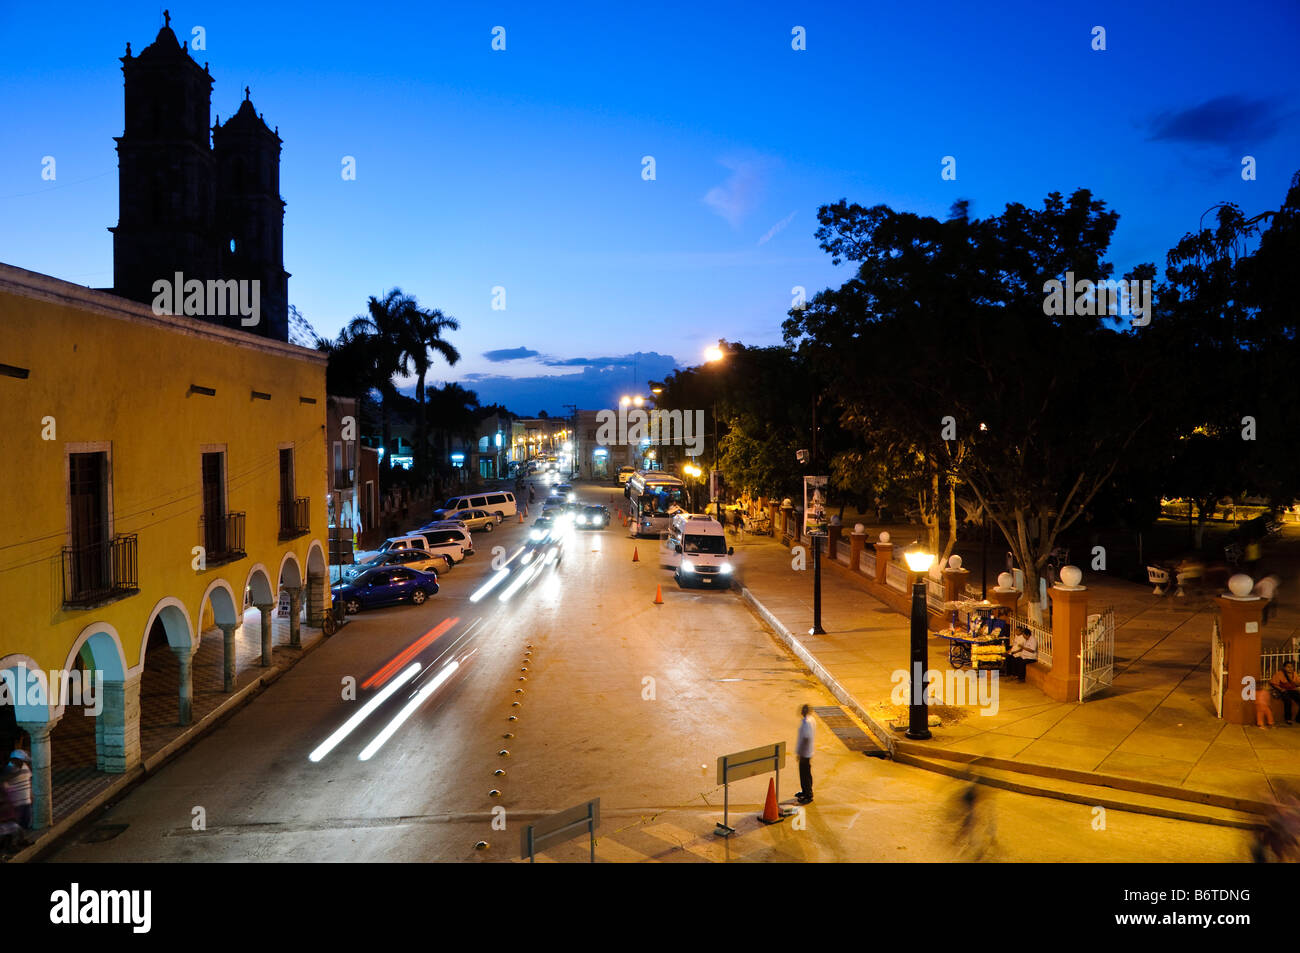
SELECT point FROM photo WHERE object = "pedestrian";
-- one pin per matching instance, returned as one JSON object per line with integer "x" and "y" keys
{"x": 1267, "y": 587}
{"x": 1285, "y": 685}
{"x": 803, "y": 748}
{"x": 18, "y": 786}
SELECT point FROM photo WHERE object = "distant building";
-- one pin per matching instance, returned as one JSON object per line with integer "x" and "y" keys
{"x": 208, "y": 210}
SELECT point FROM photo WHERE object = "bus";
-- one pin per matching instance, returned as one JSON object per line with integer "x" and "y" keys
{"x": 653, "y": 498}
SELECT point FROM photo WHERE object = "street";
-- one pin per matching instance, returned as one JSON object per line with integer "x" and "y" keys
{"x": 613, "y": 697}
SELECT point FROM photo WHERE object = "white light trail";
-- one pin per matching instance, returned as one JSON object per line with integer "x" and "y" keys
{"x": 332, "y": 742}
{"x": 407, "y": 711}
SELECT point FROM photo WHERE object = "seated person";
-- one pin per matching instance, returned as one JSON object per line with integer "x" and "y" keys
{"x": 1286, "y": 687}
{"x": 1024, "y": 650}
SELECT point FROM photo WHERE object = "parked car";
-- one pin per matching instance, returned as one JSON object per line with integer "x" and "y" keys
{"x": 456, "y": 543}
{"x": 499, "y": 502}
{"x": 625, "y": 474}
{"x": 593, "y": 516}
{"x": 468, "y": 519}
{"x": 385, "y": 585}
{"x": 419, "y": 559}
{"x": 409, "y": 541}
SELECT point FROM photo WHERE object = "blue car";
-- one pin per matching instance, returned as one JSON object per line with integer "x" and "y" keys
{"x": 384, "y": 586}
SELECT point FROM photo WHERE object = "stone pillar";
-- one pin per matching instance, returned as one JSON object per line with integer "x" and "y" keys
{"x": 42, "y": 786}
{"x": 786, "y": 509}
{"x": 884, "y": 553}
{"x": 1006, "y": 597}
{"x": 117, "y": 729}
{"x": 267, "y": 641}
{"x": 954, "y": 583}
{"x": 1069, "y": 616}
{"x": 856, "y": 541}
{"x": 295, "y": 613}
{"x": 228, "y": 640}
{"x": 1239, "y": 625}
{"x": 185, "y": 655}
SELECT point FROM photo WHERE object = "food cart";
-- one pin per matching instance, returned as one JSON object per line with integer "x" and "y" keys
{"x": 981, "y": 641}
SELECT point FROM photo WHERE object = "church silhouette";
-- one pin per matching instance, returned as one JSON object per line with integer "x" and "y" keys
{"x": 207, "y": 206}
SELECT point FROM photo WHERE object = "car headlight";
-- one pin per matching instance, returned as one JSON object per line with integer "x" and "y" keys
{"x": 726, "y": 567}
{"x": 688, "y": 565}
{"x": 537, "y": 536}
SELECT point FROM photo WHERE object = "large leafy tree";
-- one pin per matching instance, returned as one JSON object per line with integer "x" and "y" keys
{"x": 942, "y": 343}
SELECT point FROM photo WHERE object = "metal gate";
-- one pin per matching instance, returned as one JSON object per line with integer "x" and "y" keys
{"x": 1218, "y": 671}
{"x": 1097, "y": 654}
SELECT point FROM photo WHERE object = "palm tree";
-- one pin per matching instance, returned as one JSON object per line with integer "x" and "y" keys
{"x": 386, "y": 326}
{"x": 423, "y": 334}
{"x": 456, "y": 411}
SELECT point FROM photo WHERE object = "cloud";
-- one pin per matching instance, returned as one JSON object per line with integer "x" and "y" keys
{"x": 587, "y": 361}
{"x": 777, "y": 227}
{"x": 1224, "y": 120}
{"x": 740, "y": 193}
{"x": 509, "y": 354}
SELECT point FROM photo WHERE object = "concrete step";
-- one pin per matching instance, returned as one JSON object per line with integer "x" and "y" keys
{"x": 1092, "y": 790}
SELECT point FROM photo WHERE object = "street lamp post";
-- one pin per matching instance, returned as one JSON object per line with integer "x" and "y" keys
{"x": 918, "y": 720}
{"x": 713, "y": 355}
{"x": 817, "y": 586}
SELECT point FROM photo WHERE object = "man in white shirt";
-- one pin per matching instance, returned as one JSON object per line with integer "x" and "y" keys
{"x": 803, "y": 748}
{"x": 1024, "y": 649}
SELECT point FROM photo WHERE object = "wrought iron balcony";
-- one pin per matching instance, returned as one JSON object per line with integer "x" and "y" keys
{"x": 101, "y": 572}
{"x": 294, "y": 517}
{"x": 222, "y": 538}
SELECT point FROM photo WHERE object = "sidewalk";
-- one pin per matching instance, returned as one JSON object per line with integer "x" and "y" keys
{"x": 1155, "y": 723}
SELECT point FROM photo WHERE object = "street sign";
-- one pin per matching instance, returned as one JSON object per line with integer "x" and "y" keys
{"x": 746, "y": 764}
{"x": 558, "y": 828}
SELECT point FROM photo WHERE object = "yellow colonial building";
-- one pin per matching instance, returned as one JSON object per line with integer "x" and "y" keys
{"x": 164, "y": 478}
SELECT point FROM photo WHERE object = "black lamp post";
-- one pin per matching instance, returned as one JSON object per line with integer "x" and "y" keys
{"x": 817, "y": 585}
{"x": 918, "y": 720}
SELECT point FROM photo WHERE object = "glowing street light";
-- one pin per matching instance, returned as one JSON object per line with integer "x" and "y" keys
{"x": 918, "y": 721}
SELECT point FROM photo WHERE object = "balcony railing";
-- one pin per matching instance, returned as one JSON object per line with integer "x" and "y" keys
{"x": 101, "y": 572}
{"x": 344, "y": 479}
{"x": 294, "y": 517}
{"x": 222, "y": 538}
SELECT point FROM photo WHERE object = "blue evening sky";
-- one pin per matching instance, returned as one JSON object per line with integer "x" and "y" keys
{"x": 523, "y": 168}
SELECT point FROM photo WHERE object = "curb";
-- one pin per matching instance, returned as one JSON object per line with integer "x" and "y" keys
{"x": 52, "y": 836}
{"x": 881, "y": 732}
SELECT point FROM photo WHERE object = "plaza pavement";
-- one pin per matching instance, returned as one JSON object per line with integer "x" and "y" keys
{"x": 1154, "y": 726}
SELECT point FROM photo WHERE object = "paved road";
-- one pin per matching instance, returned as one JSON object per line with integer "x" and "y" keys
{"x": 621, "y": 699}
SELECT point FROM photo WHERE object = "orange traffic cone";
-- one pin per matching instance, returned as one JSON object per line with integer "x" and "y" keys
{"x": 771, "y": 814}
{"x": 635, "y": 556}
{"x": 659, "y": 595}
{"x": 521, "y": 516}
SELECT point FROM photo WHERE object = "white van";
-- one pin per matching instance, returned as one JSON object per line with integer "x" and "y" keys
{"x": 500, "y": 503}
{"x": 696, "y": 548}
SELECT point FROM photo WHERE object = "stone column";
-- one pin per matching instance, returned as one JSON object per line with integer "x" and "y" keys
{"x": 1239, "y": 624}
{"x": 884, "y": 553}
{"x": 117, "y": 729}
{"x": 185, "y": 655}
{"x": 42, "y": 786}
{"x": 267, "y": 640}
{"x": 295, "y": 613}
{"x": 856, "y": 541}
{"x": 1069, "y": 616}
{"x": 1007, "y": 597}
{"x": 786, "y": 509}
{"x": 228, "y": 640}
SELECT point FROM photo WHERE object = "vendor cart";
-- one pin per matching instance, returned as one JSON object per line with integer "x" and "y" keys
{"x": 982, "y": 642}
